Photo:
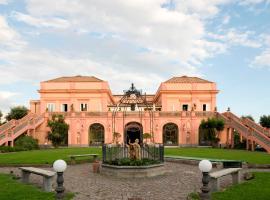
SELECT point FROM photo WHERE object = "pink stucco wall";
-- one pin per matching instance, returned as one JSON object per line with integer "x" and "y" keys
{"x": 98, "y": 96}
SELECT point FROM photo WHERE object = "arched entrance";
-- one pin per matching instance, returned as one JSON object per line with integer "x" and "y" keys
{"x": 170, "y": 134}
{"x": 133, "y": 131}
{"x": 96, "y": 134}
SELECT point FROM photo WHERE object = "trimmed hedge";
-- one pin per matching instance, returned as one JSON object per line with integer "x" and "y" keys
{"x": 130, "y": 162}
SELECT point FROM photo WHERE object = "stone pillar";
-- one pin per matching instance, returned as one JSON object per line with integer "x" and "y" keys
{"x": 227, "y": 137}
{"x": 252, "y": 145}
{"x": 247, "y": 144}
{"x": 232, "y": 137}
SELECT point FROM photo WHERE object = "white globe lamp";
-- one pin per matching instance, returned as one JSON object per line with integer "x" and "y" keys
{"x": 59, "y": 165}
{"x": 205, "y": 166}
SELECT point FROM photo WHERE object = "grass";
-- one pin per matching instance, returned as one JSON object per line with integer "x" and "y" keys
{"x": 230, "y": 154}
{"x": 23, "y": 191}
{"x": 257, "y": 188}
{"x": 48, "y": 156}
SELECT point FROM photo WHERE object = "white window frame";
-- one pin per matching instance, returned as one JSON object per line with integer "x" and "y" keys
{"x": 62, "y": 107}
{"x": 51, "y": 107}
{"x": 83, "y": 107}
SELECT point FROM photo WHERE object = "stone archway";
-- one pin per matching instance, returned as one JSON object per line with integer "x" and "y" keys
{"x": 170, "y": 134}
{"x": 133, "y": 130}
{"x": 96, "y": 134}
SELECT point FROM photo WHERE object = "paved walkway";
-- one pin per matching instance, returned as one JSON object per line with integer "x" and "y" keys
{"x": 180, "y": 180}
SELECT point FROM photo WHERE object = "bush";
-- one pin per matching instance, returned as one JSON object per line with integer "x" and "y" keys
{"x": 130, "y": 162}
{"x": 27, "y": 143}
{"x": 6, "y": 149}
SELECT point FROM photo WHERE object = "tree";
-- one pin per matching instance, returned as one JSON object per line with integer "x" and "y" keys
{"x": 59, "y": 130}
{"x": 209, "y": 130}
{"x": 1, "y": 115}
{"x": 17, "y": 112}
{"x": 265, "y": 121}
{"x": 248, "y": 116}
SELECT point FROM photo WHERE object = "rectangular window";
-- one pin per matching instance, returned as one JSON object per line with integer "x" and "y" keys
{"x": 51, "y": 107}
{"x": 185, "y": 107}
{"x": 64, "y": 107}
{"x": 204, "y": 107}
{"x": 83, "y": 107}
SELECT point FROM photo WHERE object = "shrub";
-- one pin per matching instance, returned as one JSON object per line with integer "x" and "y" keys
{"x": 130, "y": 162}
{"x": 6, "y": 149}
{"x": 27, "y": 143}
{"x": 59, "y": 130}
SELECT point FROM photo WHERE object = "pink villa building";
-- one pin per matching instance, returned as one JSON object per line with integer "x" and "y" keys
{"x": 172, "y": 115}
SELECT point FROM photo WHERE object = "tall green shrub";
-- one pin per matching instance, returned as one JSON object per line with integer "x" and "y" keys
{"x": 27, "y": 143}
{"x": 59, "y": 130}
{"x": 210, "y": 128}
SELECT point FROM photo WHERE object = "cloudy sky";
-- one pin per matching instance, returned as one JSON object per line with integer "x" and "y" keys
{"x": 140, "y": 41}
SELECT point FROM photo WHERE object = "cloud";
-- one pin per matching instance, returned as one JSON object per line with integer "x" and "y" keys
{"x": 178, "y": 34}
{"x": 226, "y": 19}
{"x": 106, "y": 38}
{"x": 7, "y": 100}
{"x": 8, "y": 36}
{"x": 201, "y": 8}
{"x": 52, "y": 22}
{"x": 4, "y": 2}
{"x": 262, "y": 60}
{"x": 234, "y": 37}
{"x": 253, "y": 2}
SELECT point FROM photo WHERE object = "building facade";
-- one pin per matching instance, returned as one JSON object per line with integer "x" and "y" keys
{"x": 171, "y": 116}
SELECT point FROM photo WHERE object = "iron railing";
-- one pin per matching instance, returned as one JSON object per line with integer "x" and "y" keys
{"x": 112, "y": 152}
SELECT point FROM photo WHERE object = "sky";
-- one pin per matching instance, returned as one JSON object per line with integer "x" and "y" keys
{"x": 139, "y": 41}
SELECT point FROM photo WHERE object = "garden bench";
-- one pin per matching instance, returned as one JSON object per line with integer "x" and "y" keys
{"x": 47, "y": 176}
{"x": 73, "y": 157}
{"x": 215, "y": 177}
{"x": 225, "y": 163}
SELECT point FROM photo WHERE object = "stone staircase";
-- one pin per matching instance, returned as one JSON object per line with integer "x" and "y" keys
{"x": 15, "y": 128}
{"x": 248, "y": 129}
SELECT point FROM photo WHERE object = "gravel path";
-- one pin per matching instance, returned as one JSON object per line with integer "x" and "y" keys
{"x": 179, "y": 181}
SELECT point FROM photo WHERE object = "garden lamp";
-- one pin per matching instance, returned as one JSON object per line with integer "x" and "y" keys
{"x": 205, "y": 167}
{"x": 59, "y": 166}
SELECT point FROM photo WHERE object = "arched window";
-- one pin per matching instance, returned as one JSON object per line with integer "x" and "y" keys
{"x": 170, "y": 134}
{"x": 96, "y": 134}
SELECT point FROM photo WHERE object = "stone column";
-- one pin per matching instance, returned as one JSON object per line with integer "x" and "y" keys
{"x": 232, "y": 137}
{"x": 247, "y": 144}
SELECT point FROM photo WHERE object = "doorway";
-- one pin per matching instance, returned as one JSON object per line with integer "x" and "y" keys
{"x": 133, "y": 131}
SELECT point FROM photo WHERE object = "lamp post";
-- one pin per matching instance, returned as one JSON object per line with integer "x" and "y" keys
{"x": 59, "y": 166}
{"x": 205, "y": 167}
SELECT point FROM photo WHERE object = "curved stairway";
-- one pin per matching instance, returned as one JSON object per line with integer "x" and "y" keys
{"x": 248, "y": 129}
{"x": 15, "y": 128}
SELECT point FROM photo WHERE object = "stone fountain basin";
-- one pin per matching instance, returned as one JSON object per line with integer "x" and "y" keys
{"x": 133, "y": 171}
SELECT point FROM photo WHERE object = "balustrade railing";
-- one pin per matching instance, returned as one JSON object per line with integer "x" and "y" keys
{"x": 20, "y": 127}
{"x": 256, "y": 126}
{"x": 112, "y": 153}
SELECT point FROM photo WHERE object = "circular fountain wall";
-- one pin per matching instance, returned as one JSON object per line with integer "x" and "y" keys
{"x": 117, "y": 161}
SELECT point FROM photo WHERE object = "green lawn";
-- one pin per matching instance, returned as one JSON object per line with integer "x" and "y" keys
{"x": 14, "y": 190}
{"x": 256, "y": 189}
{"x": 50, "y": 155}
{"x": 247, "y": 156}
{"x": 47, "y": 156}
